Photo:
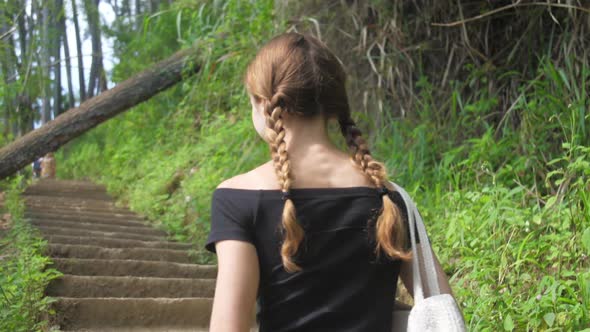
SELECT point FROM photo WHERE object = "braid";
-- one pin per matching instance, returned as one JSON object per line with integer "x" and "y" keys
{"x": 278, "y": 147}
{"x": 389, "y": 228}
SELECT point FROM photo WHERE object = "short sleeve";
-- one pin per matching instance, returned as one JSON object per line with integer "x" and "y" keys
{"x": 231, "y": 218}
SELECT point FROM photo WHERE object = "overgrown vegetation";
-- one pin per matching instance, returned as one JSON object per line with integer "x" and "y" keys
{"x": 485, "y": 122}
{"x": 23, "y": 272}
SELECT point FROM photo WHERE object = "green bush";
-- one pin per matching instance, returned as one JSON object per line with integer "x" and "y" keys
{"x": 23, "y": 273}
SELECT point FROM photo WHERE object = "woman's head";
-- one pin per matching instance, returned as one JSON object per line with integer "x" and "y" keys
{"x": 297, "y": 75}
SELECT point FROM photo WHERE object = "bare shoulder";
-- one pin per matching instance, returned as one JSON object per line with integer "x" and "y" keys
{"x": 239, "y": 181}
{"x": 257, "y": 178}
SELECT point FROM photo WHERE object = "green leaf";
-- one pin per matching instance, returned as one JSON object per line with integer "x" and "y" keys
{"x": 549, "y": 318}
{"x": 550, "y": 201}
{"x": 508, "y": 323}
{"x": 586, "y": 239}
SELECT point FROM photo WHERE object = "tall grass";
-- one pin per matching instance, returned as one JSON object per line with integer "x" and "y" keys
{"x": 508, "y": 213}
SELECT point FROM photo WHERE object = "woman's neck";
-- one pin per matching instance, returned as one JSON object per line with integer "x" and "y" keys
{"x": 307, "y": 137}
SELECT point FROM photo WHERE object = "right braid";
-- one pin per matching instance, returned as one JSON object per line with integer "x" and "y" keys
{"x": 390, "y": 230}
{"x": 276, "y": 134}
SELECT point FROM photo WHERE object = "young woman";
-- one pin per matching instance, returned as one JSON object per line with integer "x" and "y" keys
{"x": 316, "y": 235}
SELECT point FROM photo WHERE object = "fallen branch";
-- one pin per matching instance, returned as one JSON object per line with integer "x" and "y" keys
{"x": 74, "y": 122}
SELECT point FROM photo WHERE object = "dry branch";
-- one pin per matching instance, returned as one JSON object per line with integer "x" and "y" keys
{"x": 514, "y": 5}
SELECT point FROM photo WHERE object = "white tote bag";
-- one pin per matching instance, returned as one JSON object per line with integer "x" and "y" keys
{"x": 437, "y": 312}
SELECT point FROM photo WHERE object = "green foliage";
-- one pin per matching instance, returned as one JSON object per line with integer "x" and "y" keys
{"x": 512, "y": 258}
{"x": 23, "y": 272}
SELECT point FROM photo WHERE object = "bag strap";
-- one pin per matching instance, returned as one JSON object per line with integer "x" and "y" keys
{"x": 430, "y": 274}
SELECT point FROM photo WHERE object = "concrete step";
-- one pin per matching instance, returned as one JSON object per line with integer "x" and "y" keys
{"x": 82, "y": 232}
{"x": 75, "y": 203}
{"x": 71, "y": 202}
{"x": 94, "y": 252}
{"x": 125, "y": 286}
{"x": 78, "y": 210}
{"x": 96, "y": 196}
{"x": 110, "y": 312}
{"x": 75, "y": 211}
{"x": 78, "y": 183}
{"x": 100, "y": 221}
{"x": 97, "y": 227}
{"x": 83, "y": 217}
{"x": 106, "y": 242}
{"x": 57, "y": 187}
{"x": 51, "y": 206}
{"x": 128, "y": 267}
{"x": 107, "y": 222}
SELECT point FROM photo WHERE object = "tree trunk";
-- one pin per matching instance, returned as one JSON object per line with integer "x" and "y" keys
{"x": 89, "y": 114}
{"x": 79, "y": 52}
{"x": 45, "y": 41}
{"x": 102, "y": 78}
{"x": 96, "y": 68}
{"x": 33, "y": 21}
{"x": 4, "y": 72}
{"x": 154, "y": 4}
{"x": 22, "y": 39}
{"x": 56, "y": 32}
{"x": 125, "y": 9}
{"x": 64, "y": 31}
{"x": 115, "y": 5}
{"x": 8, "y": 70}
{"x": 138, "y": 19}
{"x": 25, "y": 107}
{"x": 24, "y": 103}
{"x": 13, "y": 95}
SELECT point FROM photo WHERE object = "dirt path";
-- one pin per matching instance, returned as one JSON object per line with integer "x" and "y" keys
{"x": 120, "y": 274}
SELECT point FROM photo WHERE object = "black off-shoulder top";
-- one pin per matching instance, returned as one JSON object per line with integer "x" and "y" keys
{"x": 343, "y": 286}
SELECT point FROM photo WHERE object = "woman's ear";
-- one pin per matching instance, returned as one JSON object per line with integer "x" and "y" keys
{"x": 257, "y": 104}
{"x": 258, "y": 118}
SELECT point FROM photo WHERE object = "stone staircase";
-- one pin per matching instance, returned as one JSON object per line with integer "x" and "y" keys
{"x": 120, "y": 274}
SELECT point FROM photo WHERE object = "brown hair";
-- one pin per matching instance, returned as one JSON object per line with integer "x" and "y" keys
{"x": 297, "y": 73}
